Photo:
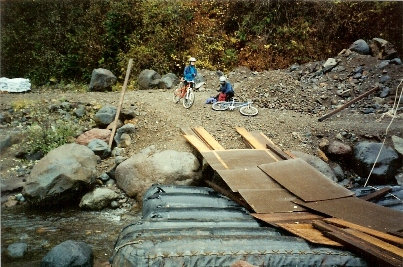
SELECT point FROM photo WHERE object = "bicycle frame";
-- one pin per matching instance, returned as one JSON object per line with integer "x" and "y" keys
{"x": 233, "y": 104}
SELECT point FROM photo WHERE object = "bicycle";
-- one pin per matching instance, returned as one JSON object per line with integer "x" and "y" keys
{"x": 186, "y": 93}
{"x": 245, "y": 108}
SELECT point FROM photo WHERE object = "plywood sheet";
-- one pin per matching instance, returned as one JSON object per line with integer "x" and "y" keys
{"x": 287, "y": 217}
{"x": 304, "y": 181}
{"x": 361, "y": 212}
{"x": 309, "y": 233}
{"x": 236, "y": 158}
{"x": 263, "y": 139}
{"x": 248, "y": 178}
{"x": 267, "y": 201}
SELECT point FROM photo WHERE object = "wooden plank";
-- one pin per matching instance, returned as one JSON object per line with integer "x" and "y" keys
{"x": 303, "y": 180}
{"x": 309, "y": 233}
{"x": 262, "y": 138}
{"x": 360, "y": 212}
{"x": 377, "y": 194}
{"x": 287, "y": 217}
{"x": 270, "y": 200}
{"x": 250, "y": 139}
{"x": 187, "y": 131}
{"x": 374, "y": 254}
{"x": 377, "y": 242}
{"x": 397, "y": 241}
{"x": 196, "y": 143}
{"x": 208, "y": 138}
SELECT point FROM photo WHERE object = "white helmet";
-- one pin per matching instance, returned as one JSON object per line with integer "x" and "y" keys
{"x": 192, "y": 59}
{"x": 222, "y": 79}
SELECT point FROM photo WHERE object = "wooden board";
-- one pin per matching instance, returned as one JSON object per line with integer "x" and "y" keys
{"x": 303, "y": 180}
{"x": 309, "y": 233}
{"x": 270, "y": 200}
{"x": 361, "y": 212}
{"x": 208, "y": 138}
{"x": 196, "y": 143}
{"x": 287, "y": 217}
{"x": 236, "y": 158}
{"x": 250, "y": 139}
{"x": 263, "y": 139}
{"x": 397, "y": 241}
{"x": 248, "y": 178}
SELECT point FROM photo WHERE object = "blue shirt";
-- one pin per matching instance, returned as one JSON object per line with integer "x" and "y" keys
{"x": 226, "y": 88}
{"x": 190, "y": 73}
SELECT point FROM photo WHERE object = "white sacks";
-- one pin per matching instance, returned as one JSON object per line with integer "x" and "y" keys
{"x": 16, "y": 85}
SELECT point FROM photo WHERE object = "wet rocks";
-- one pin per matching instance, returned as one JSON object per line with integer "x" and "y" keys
{"x": 365, "y": 154}
{"x": 17, "y": 250}
{"x": 61, "y": 175}
{"x": 69, "y": 253}
{"x": 98, "y": 199}
{"x": 102, "y": 80}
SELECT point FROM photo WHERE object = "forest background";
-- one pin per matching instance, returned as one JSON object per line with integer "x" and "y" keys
{"x": 63, "y": 41}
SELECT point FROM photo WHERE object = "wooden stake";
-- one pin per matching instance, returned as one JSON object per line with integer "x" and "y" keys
{"x": 129, "y": 67}
{"x": 348, "y": 103}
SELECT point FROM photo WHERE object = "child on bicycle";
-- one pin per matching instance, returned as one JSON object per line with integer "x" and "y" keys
{"x": 225, "y": 90}
{"x": 190, "y": 72}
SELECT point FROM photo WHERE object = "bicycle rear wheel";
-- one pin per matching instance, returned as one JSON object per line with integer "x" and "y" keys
{"x": 189, "y": 99}
{"x": 220, "y": 106}
{"x": 248, "y": 111}
{"x": 177, "y": 95}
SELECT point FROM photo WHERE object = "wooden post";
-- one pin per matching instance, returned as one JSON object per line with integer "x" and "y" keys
{"x": 348, "y": 103}
{"x": 129, "y": 67}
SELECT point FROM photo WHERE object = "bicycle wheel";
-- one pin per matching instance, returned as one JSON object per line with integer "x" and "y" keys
{"x": 189, "y": 99}
{"x": 177, "y": 95}
{"x": 248, "y": 111}
{"x": 220, "y": 106}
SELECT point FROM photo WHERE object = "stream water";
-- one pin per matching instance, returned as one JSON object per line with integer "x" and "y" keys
{"x": 42, "y": 230}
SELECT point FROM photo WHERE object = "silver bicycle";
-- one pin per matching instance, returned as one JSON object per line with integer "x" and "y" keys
{"x": 245, "y": 108}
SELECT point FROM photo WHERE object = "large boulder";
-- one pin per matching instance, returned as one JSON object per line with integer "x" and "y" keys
{"x": 105, "y": 116}
{"x": 98, "y": 199}
{"x": 169, "y": 80}
{"x": 96, "y": 133}
{"x": 102, "y": 80}
{"x": 61, "y": 176}
{"x": 69, "y": 253}
{"x": 317, "y": 163}
{"x": 382, "y": 49}
{"x": 148, "y": 79}
{"x": 339, "y": 151}
{"x": 360, "y": 46}
{"x": 148, "y": 167}
{"x": 386, "y": 167}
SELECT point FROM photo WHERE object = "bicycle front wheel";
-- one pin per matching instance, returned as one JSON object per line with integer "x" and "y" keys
{"x": 189, "y": 99}
{"x": 220, "y": 106}
{"x": 248, "y": 111}
{"x": 177, "y": 95}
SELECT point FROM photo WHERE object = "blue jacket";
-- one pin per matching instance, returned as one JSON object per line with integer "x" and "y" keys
{"x": 226, "y": 88}
{"x": 190, "y": 73}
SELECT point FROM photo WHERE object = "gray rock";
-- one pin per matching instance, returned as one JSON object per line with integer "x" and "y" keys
{"x": 102, "y": 80}
{"x": 5, "y": 143}
{"x": 69, "y": 253}
{"x": 169, "y": 80}
{"x": 80, "y": 111}
{"x": 142, "y": 170}
{"x": 128, "y": 113}
{"x": 396, "y": 61}
{"x": 17, "y": 250}
{"x": 398, "y": 144}
{"x": 382, "y": 49}
{"x": 317, "y": 163}
{"x": 99, "y": 147}
{"x": 98, "y": 199}
{"x": 386, "y": 167}
{"x": 385, "y": 92}
{"x": 399, "y": 178}
{"x": 330, "y": 63}
{"x": 119, "y": 159}
{"x": 104, "y": 177}
{"x": 114, "y": 204}
{"x": 383, "y": 64}
{"x": 127, "y": 128}
{"x": 338, "y": 171}
{"x": 148, "y": 79}
{"x": 105, "y": 116}
{"x": 117, "y": 151}
{"x": 384, "y": 79}
{"x": 360, "y": 46}
{"x": 61, "y": 175}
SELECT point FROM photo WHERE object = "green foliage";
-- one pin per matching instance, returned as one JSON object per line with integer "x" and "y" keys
{"x": 65, "y": 40}
{"x": 47, "y": 136}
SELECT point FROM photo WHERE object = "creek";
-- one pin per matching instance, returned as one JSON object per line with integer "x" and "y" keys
{"x": 41, "y": 230}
